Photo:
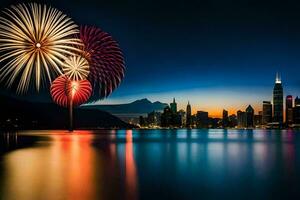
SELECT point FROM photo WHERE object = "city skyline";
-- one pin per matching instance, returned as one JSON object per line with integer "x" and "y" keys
{"x": 272, "y": 116}
{"x": 215, "y": 109}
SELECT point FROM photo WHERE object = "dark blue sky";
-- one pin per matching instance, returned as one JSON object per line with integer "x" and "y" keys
{"x": 216, "y": 51}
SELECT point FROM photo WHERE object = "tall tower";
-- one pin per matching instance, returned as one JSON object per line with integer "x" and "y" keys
{"x": 289, "y": 110}
{"x": 188, "y": 115}
{"x": 296, "y": 117}
{"x": 249, "y": 117}
{"x": 173, "y": 106}
{"x": 278, "y": 101}
{"x": 241, "y": 119}
{"x": 225, "y": 120}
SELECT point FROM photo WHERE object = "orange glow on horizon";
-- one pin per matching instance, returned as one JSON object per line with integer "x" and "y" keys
{"x": 218, "y": 112}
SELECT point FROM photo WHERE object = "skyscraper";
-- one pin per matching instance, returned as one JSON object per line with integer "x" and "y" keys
{"x": 278, "y": 101}
{"x": 241, "y": 119}
{"x": 297, "y": 101}
{"x": 202, "y": 119}
{"x": 153, "y": 119}
{"x": 258, "y": 119}
{"x": 296, "y": 114}
{"x": 289, "y": 110}
{"x": 267, "y": 112}
{"x": 225, "y": 119}
{"x": 188, "y": 115}
{"x": 232, "y": 121}
{"x": 249, "y": 117}
{"x": 170, "y": 118}
{"x": 173, "y": 106}
{"x": 166, "y": 117}
{"x": 182, "y": 116}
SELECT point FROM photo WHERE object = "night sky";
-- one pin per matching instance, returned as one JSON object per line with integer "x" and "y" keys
{"x": 217, "y": 54}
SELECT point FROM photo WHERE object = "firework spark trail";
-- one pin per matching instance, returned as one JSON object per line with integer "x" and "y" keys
{"x": 34, "y": 41}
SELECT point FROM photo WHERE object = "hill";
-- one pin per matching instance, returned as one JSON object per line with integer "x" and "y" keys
{"x": 141, "y": 106}
{"x": 29, "y": 115}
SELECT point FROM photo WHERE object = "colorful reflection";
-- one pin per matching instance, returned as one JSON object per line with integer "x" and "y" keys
{"x": 130, "y": 168}
{"x": 63, "y": 169}
{"x": 71, "y": 166}
{"x": 144, "y": 163}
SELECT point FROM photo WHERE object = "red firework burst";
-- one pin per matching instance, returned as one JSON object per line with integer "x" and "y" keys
{"x": 64, "y": 91}
{"x": 105, "y": 59}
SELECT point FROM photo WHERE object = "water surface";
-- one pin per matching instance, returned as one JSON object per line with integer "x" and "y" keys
{"x": 150, "y": 164}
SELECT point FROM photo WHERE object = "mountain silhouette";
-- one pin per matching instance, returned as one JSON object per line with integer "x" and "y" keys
{"x": 141, "y": 106}
{"x": 33, "y": 115}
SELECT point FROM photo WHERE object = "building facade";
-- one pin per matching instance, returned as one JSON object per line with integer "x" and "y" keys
{"x": 169, "y": 119}
{"x": 202, "y": 119}
{"x": 166, "y": 117}
{"x": 232, "y": 121}
{"x": 296, "y": 112}
{"x": 153, "y": 119}
{"x": 188, "y": 115}
{"x": 182, "y": 115}
{"x": 289, "y": 110}
{"x": 258, "y": 119}
{"x": 278, "y": 101}
{"x": 267, "y": 112}
{"x": 225, "y": 120}
{"x": 250, "y": 117}
{"x": 173, "y": 106}
{"x": 241, "y": 119}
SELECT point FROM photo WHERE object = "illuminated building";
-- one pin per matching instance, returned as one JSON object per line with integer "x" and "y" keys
{"x": 297, "y": 101}
{"x": 258, "y": 119}
{"x": 296, "y": 111}
{"x": 182, "y": 116}
{"x": 154, "y": 119}
{"x": 170, "y": 119}
{"x": 289, "y": 110}
{"x": 267, "y": 112}
{"x": 278, "y": 101}
{"x": 142, "y": 121}
{"x": 188, "y": 115}
{"x": 241, "y": 119}
{"x": 166, "y": 117}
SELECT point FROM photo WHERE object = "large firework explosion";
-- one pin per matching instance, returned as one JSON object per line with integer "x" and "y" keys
{"x": 106, "y": 61}
{"x": 34, "y": 41}
{"x": 65, "y": 91}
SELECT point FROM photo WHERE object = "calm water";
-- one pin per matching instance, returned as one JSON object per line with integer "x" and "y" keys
{"x": 150, "y": 164}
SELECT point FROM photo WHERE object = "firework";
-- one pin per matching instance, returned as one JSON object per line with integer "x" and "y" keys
{"x": 65, "y": 91}
{"x": 76, "y": 68}
{"x": 34, "y": 41}
{"x": 105, "y": 59}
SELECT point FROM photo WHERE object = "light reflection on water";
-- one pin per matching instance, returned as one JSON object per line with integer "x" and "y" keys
{"x": 150, "y": 164}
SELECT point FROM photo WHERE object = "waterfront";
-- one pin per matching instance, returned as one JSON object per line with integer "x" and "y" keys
{"x": 150, "y": 164}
